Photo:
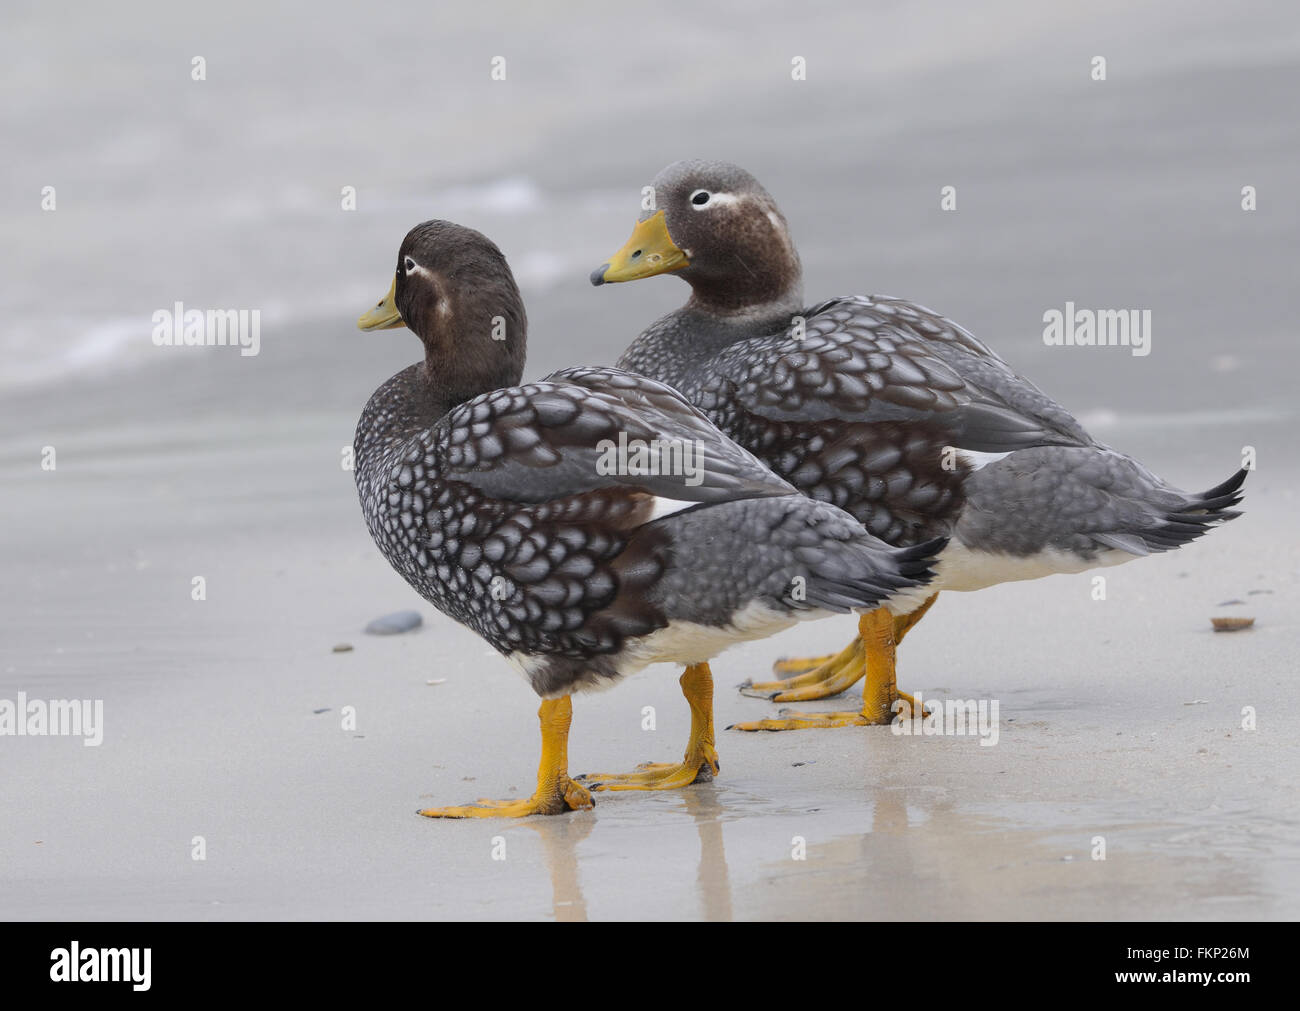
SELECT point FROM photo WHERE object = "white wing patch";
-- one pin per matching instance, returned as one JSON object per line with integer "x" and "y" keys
{"x": 978, "y": 461}
{"x": 666, "y": 507}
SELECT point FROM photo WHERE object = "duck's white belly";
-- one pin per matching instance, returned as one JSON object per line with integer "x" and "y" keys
{"x": 962, "y": 568}
{"x": 687, "y": 642}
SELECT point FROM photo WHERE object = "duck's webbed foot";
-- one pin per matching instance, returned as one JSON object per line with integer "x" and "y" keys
{"x": 839, "y": 673}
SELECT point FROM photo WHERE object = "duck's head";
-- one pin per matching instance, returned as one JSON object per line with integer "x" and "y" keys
{"x": 454, "y": 289}
{"x": 715, "y": 226}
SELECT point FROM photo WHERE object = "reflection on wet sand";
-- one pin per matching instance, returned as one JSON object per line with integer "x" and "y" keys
{"x": 561, "y": 837}
{"x": 713, "y": 879}
{"x": 924, "y": 860}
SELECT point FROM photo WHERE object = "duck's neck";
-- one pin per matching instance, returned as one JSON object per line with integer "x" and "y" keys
{"x": 441, "y": 384}
{"x": 756, "y": 297}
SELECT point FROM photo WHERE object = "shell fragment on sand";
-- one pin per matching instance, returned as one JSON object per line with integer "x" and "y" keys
{"x": 1231, "y": 624}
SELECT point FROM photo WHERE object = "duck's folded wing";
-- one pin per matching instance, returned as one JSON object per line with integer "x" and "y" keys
{"x": 867, "y": 360}
{"x": 584, "y": 429}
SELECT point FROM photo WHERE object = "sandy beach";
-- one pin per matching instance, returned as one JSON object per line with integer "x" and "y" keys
{"x": 226, "y": 720}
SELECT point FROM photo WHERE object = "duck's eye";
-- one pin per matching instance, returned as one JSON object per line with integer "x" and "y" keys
{"x": 701, "y": 197}
{"x": 409, "y": 264}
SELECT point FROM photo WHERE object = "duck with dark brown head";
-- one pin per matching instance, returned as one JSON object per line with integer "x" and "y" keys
{"x": 541, "y": 516}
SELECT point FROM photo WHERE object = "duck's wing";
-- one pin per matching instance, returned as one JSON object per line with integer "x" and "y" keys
{"x": 861, "y": 360}
{"x": 527, "y": 514}
{"x": 865, "y": 406}
{"x": 555, "y": 542}
{"x": 988, "y": 383}
{"x": 580, "y": 430}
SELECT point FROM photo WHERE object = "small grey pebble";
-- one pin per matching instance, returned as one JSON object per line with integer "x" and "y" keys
{"x": 1231, "y": 603}
{"x": 319, "y": 711}
{"x": 343, "y": 647}
{"x": 395, "y": 623}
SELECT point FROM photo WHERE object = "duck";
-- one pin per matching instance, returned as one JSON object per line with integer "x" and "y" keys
{"x": 507, "y": 506}
{"x": 889, "y": 410}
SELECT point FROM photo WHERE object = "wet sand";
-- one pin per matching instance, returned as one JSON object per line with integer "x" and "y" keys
{"x": 1119, "y": 719}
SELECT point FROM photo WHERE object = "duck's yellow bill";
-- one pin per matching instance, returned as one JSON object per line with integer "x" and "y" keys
{"x": 383, "y": 316}
{"x": 650, "y": 251}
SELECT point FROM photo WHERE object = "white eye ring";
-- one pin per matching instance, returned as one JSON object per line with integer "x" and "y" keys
{"x": 699, "y": 204}
{"x": 410, "y": 265}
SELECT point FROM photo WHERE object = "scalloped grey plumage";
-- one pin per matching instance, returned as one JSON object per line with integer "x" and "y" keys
{"x": 860, "y": 409}
{"x": 494, "y": 510}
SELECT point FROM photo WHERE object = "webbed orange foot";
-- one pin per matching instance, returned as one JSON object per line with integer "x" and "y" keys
{"x": 836, "y": 675}
{"x": 701, "y": 767}
{"x": 568, "y": 795}
{"x": 790, "y": 720}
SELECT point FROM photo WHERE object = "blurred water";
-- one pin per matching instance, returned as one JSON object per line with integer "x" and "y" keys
{"x": 226, "y": 192}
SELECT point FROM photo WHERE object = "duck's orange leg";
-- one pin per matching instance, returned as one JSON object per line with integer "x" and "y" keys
{"x": 879, "y": 633}
{"x": 556, "y": 791}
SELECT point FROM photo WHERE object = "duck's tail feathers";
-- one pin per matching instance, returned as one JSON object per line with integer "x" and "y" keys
{"x": 1221, "y": 497}
{"x": 882, "y": 574}
{"x": 1184, "y": 523}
